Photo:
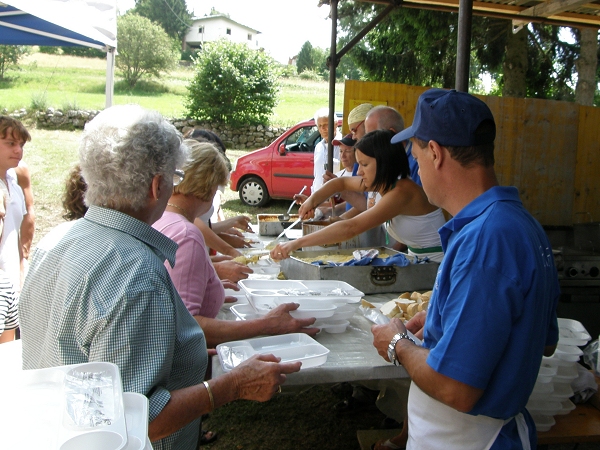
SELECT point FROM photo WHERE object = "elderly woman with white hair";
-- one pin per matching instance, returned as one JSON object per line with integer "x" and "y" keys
{"x": 102, "y": 293}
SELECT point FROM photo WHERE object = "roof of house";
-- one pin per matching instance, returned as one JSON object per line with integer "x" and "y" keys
{"x": 223, "y": 16}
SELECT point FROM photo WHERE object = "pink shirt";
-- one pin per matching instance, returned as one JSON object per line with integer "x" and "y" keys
{"x": 194, "y": 276}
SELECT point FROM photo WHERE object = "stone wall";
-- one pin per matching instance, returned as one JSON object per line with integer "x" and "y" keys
{"x": 246, "y": 138}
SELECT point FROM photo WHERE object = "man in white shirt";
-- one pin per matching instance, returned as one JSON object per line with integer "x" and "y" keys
{"x": 320, "y": 156}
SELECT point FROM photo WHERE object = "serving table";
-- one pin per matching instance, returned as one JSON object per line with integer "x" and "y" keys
{"x": 352, "y": 356}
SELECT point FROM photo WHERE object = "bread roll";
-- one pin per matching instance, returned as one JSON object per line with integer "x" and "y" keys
{"x": 412, "y": 310}
{"x": 366, "y": 304}
{"x": 404, "y": 303}
{"x": 390, "y": 309}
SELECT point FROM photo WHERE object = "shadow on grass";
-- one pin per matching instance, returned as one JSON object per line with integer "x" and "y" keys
{"x": 290, "y": 421}
{"x": 236, "y": 207}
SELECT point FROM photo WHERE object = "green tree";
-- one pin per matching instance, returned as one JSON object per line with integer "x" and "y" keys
{"x": 409, "y": 46}
{"x": 10, "y": 56}
{"x": 172, "y": 15}
{"x": 587, "y": 65}
{"x": 145, "y": 50}
{"x": 233, "y": 84}
{"x": 305, "y": 59}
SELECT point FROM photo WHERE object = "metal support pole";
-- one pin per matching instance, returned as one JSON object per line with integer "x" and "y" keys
{"x": 463, "y": 45}
{"x": 332, "y": 71}
{"x": 110, "y": 76}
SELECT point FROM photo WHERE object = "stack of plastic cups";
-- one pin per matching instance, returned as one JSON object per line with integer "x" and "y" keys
{"x": 552, "y": 390}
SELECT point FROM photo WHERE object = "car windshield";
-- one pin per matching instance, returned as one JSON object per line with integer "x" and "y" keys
{"x": 304, "y": 135}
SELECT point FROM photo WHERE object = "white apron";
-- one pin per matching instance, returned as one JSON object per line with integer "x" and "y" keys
{"x": 433, "y": 425}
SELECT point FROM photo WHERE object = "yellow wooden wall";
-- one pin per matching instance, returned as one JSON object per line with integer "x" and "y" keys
{"x": 549, "y": 150}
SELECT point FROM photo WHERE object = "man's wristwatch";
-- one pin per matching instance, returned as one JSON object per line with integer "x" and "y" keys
{"x": 392, "y": 347}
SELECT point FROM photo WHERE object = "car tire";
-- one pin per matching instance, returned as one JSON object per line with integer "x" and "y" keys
{"x": 253, "y": 192}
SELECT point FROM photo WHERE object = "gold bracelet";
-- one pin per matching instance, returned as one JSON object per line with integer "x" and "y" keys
{"x": 210, "y": 395}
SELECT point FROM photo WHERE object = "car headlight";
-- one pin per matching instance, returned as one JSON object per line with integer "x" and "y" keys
{"x": 233, "y": 165}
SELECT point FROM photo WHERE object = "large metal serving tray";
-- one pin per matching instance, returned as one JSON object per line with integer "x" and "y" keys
{"x": 369, "y": 279}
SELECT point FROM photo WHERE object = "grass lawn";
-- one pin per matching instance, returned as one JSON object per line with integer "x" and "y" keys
{"x": 51, "y": 154}
{"x": 69, "y": 82}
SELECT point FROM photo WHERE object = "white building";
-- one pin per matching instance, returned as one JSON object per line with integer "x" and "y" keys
{"x": 213, "y": 28}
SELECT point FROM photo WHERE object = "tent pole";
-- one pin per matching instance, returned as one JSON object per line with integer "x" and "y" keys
{"x": 333, "y": 62}
{"x": 110, "y": 75}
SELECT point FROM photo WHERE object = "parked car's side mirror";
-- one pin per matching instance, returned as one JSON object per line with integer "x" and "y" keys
{"x": 282, "y": 149}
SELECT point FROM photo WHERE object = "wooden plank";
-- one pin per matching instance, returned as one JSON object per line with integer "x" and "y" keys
{"x": 548, "y": 149}
{"x": 548, "y": 158}
{"x": 580, "y": 425}
{"x": 586, "y": 192}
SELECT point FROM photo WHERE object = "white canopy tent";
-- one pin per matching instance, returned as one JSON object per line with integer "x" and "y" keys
{"x": 90, "y": 23}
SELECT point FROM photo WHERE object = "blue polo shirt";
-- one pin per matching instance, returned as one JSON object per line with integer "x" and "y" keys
{"x": 493, "y": 307}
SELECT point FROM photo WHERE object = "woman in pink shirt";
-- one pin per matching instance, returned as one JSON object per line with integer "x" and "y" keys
{"x": 193, "y": 274}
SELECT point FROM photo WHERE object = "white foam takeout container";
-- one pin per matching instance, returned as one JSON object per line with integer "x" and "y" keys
{"x": 572, "y": 332}
{"x": 543, "y": 422}
{"x": 289, "y": 347}
{"x": 562, "y": 391}
{"x": 568, "y": 353}
{"x": 308, "y": 308}
{"x": 332, "y": 291}
{"x": 41, "y": 397}
{"x": 331, "y": 326}
{"x": 344, "y": 312}
{"x": 544, "y": 407}
{"x": 244, "y": 311}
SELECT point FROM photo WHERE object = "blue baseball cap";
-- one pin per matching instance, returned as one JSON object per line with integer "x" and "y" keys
{"x": 450, "y": 118}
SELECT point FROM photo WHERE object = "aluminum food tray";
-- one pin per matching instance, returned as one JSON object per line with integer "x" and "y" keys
{"x": 270, "y": 225}
{"x": 368, "y": 279}
{"x": 289, "y": 347}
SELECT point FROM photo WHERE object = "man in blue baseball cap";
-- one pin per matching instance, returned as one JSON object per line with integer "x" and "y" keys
{"x": 492, "y": 313}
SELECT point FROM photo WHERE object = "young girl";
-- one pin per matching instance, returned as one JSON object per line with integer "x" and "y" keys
{"x": 13, "y": 136}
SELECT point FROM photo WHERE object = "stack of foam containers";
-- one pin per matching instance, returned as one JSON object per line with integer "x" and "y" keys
{"x": 552, "y": 390}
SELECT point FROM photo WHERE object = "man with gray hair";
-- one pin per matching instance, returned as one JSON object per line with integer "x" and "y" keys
{"x": 101, "y": 292}
{"x": 320, "y": 154}
{"x": 387, "y": 118}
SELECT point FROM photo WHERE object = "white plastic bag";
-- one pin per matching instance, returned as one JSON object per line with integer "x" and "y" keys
{"x": 590, "y": 356}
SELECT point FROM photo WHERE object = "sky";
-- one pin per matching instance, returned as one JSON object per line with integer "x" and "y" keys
{"x": 285, "y": 25}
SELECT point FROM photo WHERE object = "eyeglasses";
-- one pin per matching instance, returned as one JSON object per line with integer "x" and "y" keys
{"x": 355, "y": 129}
{"x": 178, "y": 177}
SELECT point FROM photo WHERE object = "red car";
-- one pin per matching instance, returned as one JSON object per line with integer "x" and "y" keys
{"x": 279, "y": 170}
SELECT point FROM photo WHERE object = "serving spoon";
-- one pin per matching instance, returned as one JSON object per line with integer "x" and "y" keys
{"x": 285, "y": 217}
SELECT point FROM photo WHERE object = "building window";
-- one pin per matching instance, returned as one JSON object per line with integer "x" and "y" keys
{"x": 249, "y": 37}
{"x": 200, "y": 30}
{"x": 229, "y": 31}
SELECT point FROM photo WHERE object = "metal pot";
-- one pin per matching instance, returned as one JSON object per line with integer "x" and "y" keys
{"x": 374, "y": 237}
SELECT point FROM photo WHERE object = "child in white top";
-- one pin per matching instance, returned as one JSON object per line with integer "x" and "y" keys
{"x": 13, "y": 136}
